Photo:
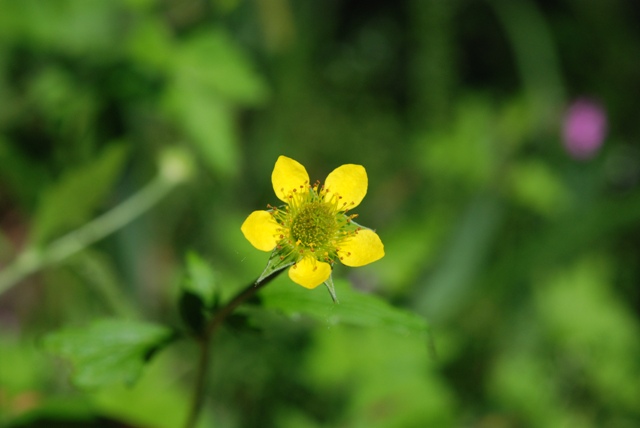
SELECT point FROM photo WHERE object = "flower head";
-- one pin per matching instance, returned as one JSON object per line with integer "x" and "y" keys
{"x": 584, "y": 128}
{"x": 313, "y": 228}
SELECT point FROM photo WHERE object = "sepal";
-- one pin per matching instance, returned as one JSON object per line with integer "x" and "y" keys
{"x": 277, "y": 262}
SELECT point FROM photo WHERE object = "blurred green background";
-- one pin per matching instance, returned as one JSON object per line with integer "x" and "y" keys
{"x": 518, "y": 248}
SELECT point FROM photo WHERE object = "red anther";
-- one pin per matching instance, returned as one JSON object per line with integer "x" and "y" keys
{"x": 281, "y": 236}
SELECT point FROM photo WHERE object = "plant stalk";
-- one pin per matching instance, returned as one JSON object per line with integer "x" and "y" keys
{"x": 205, "y": 340}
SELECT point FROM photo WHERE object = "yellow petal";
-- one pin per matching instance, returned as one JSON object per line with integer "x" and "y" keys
{"x": 363, "y": 248}
{"x": 288, "y": 175}
{"x": 349, "y": 182}
{"x": 310, "y": 272}
{"x": 261, "y": 230}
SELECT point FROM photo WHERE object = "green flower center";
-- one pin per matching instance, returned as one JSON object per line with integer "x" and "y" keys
{"x": 314, "y": 225}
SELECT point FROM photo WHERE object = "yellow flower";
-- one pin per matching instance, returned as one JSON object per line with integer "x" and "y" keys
{"x": 313, "y": 230}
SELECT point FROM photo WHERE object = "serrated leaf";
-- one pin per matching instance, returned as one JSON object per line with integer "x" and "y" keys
{"x": 108, "y": 351}
{"x": 355, "y": 308}
{"x": 71, "y": 200}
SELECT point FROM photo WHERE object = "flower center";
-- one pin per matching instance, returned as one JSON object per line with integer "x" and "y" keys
{"x": 314, "y": 225}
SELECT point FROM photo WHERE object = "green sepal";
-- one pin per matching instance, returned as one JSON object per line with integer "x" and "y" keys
{"x": 331, "y": 288}
{"x": 277, "y": 261}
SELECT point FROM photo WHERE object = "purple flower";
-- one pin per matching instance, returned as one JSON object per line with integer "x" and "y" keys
{"x": 584, "y": 128}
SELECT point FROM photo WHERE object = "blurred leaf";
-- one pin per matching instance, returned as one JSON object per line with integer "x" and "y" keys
{"x": 192, "y": 311}
{"x": 370, "y": 367}
{"x": 209, "y": 122}
{"x": 211, "y": 77}
{"x": 108, "y": 351}
{"x": 354, "y": 308}
{"x": 72, "y": 26}
{"x": 466, "y": 153}
{"x": 73, "y": 199}
{"x": 521, "y": 382}
{"x": 597, "y": 331}
{"x": 201, "y": 280}
{"x": 213, "y": 61}
{"x": 22, "y": 366}
{"x": 449, "y": 284}
{"x": 534, "y": 185}
{"x": 159, "y": 399}
{"x": 150, "y": 43}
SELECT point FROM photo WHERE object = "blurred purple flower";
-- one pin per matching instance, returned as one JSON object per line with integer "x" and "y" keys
{"x": 584, "y": 128}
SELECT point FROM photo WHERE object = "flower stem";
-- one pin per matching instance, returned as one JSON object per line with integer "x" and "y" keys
{"x": 205, "y": 344}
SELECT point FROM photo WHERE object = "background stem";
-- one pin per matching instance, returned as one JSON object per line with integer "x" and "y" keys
{"x": 34, "y": 259}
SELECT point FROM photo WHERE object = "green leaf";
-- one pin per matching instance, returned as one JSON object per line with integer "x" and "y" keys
{"x": 217, "y": 64}
{"x": 536, "y": 186}
{"x": 202, "y": 279}
{"x": 209, "y": 123}
{"x": 355, "y": 308}
{"x": 73, "y": 199}
{"x": 108, "y": 351}
{"x": 211, "y": 78}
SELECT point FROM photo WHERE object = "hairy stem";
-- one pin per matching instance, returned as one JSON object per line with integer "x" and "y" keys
{"x": 205, "y": 344}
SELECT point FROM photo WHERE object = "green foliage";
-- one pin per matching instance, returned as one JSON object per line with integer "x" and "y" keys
{"x": 515, "y": 261}
{"x": 156, "y": 400}
{"x": 199, "y": 294}
{"x": 201, "y": 279}
{"x": 211, "y": 77}
{"x": 354, "y": 308}
{"x": 84, "y": 188}
{"x": 534, "y": 184}
{"x": 388, "y": 380}
{"x": 108, "y": 351}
